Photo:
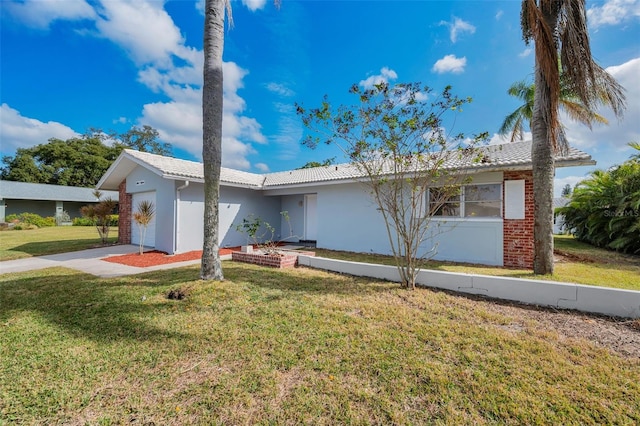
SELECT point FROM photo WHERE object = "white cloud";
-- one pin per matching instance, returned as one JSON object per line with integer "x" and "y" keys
{"x": 262, "y": 167}
{"x": 613, "y": 12}
{"x": 457, "y": 27}
{"x": 385, "y": 75}
{"x": 254, "y": 5}
{"x": 497, "y": 139}
{"x": 143, "y": 29}
{"x": 40, "y": 14}
{"x": 450, "y": 64}
{"x": 526, "y": 52}
{"x": 499, "y": 14}
{"x": 560, "y": 183}
{"x": 120, "y": 120}
{"x": 149, "y": 36}
{"x": 22, "y": 132}
{"x": 280, "y": 89}
{"x": 608, "y": 144}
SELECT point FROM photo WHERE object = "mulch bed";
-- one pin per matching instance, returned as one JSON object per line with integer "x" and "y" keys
{"x": 155, "y": 257}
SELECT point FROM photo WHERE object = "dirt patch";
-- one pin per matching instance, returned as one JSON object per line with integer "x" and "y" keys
{"x": 155, "y": 257}
{"x": 619, "y": 335}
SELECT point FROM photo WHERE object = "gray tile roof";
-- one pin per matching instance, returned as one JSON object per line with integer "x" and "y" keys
{"x": 37, "y": 191}
{"x": 516, "y": 155}
{"x": 560, "y": 202}
{"x": 174, "y": 168}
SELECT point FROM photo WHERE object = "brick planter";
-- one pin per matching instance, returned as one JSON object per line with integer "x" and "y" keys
{"x": 286, "y": 259}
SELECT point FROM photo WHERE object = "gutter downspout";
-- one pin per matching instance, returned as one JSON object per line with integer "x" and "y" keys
{"x": 177, "y": 216}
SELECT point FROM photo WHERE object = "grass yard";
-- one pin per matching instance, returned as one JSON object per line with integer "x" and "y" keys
{"x": 577, "y": 262}
{"x": 292, "y": 347}
{"x": 53, "y": 240}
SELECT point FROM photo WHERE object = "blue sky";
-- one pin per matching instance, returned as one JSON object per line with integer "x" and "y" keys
{"x": 68, "y": 65}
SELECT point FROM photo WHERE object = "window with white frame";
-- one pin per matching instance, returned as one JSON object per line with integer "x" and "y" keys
{"x": 482, "y": 200}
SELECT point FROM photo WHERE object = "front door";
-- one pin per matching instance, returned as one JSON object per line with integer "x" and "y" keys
{"x": 311, "y": 217}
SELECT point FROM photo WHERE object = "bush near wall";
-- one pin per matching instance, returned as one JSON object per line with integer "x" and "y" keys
{"x": 30, "y": 220}
{"x": 83, "y": 221}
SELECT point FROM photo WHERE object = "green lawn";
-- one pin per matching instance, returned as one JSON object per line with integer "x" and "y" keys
{"x": 577, "y": 263}
{"x": 289, "y": 347}
{"x": 43, "y": 241}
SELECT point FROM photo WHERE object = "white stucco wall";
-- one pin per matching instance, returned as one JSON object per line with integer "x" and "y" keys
{"x": 235, "y": 204}
{"x": 294, "y": 206}
{"x": 143, "y": 180}
{"x": 348, "y": 220}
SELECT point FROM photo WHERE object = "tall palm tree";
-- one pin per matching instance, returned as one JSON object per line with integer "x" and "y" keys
{"x": 559, "y": 30}
{"x": 212, "y": 93}
{"x": 514, "y": 123}
{"x": 211, "y": 268}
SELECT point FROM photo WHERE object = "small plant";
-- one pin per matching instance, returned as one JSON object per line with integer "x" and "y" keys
{"x": 252, "y": 225}
{"x": 143, "y": 216}
{"x": 62, "y": 218}
{"x": 100, "y": 214}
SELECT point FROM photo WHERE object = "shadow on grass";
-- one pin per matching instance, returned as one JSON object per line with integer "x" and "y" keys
{"x": 304, "y": 280}
{"x": 83, "y": 305}
{"x": 42, "y": 248}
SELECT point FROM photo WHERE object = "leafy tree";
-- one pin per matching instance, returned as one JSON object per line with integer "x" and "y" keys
{"x": 514, "y": 123}
{"x": 79, "y": 161}
{"x": 214, "y": 11}
{"x": 145, "y": 211}
{"x": 397, "y": 141}
{"x": 144, "y": 139}
{"x": 100, "y": 214}
{"x": 311, "y": 164}
{"x": 566, "y": 191}
{"x": 604, "y": 209}
{"x": 562, "y": 48}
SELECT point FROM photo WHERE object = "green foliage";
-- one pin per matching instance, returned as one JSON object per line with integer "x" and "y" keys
{"x": 400, "y": 140}
{"x": 30, "y": 220}
{"x": 262, "y": 233}
{"x": 101, "y": 213}
{"x": 143, "y": 216}
{"x": 311, "y": 164}
{"x": 79, "y": 161}
{"x": 84, "y": 221}
{"x": 605, "y": 209}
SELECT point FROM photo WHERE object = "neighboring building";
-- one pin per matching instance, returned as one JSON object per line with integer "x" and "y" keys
{"x": 45, "y": 200}
{"x": 330, "y": 206}
{"x": 558, "y": 220}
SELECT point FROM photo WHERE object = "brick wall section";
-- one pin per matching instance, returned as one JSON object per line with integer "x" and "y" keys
{"x": 124, "y": 210}
{"x": 286, "y": 261}
{"x": 518, "y": 233}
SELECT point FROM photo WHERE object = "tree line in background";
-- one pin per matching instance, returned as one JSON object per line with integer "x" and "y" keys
{"x": 79, "y": 161}
{"x": 604, "y": 210}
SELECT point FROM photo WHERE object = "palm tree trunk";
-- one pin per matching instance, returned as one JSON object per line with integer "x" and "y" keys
{"x": 543, "y": 129}
{"x": 212, "y": 136}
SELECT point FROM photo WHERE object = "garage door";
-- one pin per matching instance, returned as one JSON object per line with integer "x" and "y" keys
{"x": 150, "y": 236}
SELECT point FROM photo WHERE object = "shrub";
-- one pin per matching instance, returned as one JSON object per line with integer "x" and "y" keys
{"x": 23, "y": 220}
{"x": 604, "y": 209}
{"x": 83, "y": 221}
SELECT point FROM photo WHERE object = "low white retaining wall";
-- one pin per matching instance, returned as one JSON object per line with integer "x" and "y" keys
{"x": 601, "y": 300}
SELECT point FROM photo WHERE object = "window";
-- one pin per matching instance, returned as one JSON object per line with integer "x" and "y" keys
{"x": 445, "y": 202}
{"x": 483, "y": 200}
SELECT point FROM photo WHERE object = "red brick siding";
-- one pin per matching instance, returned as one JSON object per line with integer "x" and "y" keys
{"x": 518, "y": 233}
{"x": 286, "y": 261}
{"x": 124, "y": 210}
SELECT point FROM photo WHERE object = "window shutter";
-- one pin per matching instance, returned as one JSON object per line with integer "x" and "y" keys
{"x": 514, "y": 199}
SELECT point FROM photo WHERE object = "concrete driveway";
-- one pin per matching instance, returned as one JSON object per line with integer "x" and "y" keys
{"x": 89, "y": 261}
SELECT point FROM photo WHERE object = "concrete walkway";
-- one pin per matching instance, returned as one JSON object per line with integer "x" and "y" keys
{"x": 88, "y": 261}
